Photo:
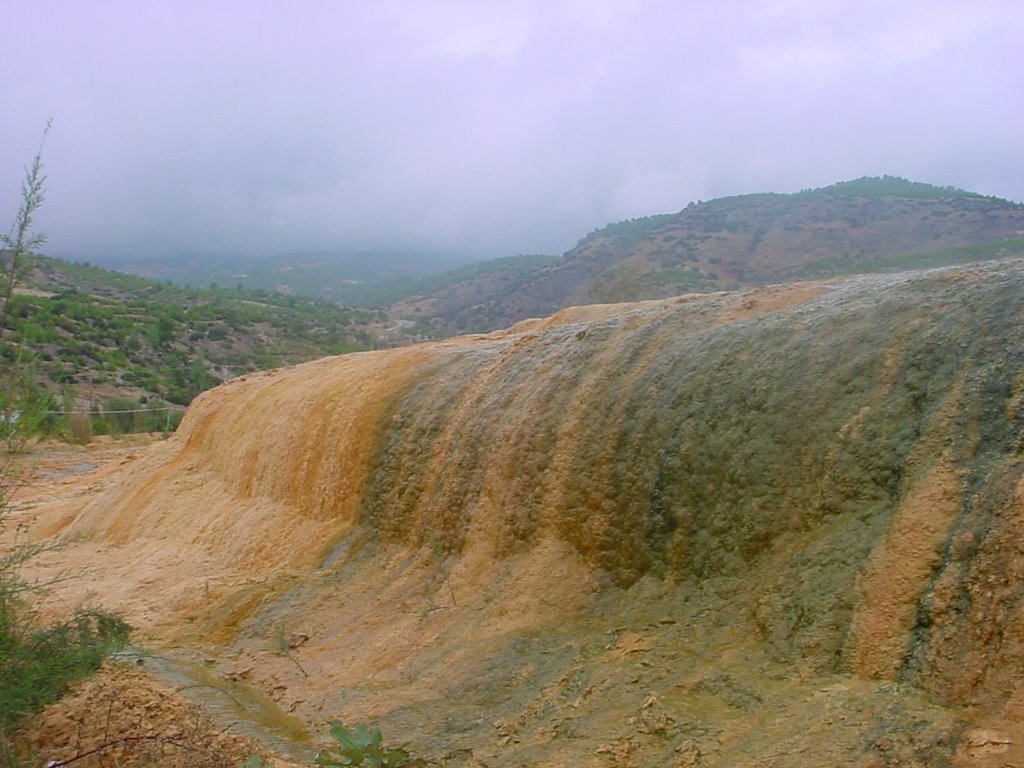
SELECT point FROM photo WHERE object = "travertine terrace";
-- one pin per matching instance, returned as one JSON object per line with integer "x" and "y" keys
{"x": 781, "y": 526}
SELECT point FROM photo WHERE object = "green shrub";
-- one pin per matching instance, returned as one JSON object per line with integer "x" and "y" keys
{"x": 362, "y": 746}
{"x": 37, "y": 664}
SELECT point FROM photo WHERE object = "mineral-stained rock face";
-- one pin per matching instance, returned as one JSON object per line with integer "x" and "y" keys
{"x": 735, "y": 504}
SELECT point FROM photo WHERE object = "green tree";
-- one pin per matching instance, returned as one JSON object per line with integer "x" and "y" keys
{"x": 21, "y": 243}
{"x": 17, "y": 246}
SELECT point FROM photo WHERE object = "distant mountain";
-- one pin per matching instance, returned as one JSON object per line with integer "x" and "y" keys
{"x": 352, "y": 278}
{"x": 865, "y": 225}
{"x": 870, "y": 224}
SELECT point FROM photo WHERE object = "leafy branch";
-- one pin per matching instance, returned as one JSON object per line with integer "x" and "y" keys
{"x": 362, "y": 746}
{"x": 20, "y": 243}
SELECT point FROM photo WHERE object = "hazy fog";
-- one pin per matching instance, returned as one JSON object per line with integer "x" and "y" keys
{"x": 484, "y": 128}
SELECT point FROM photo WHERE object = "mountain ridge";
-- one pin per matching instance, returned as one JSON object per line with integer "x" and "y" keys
{"x": 864, "y": 225}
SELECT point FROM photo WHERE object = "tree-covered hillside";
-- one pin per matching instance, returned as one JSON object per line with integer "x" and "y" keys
{"x": 865, "y": 225}
{"x": 87, "y": 334}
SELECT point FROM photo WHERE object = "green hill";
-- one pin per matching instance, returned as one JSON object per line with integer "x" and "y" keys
{"x": 93, "y": 335}
{"x": 865, "y": 225}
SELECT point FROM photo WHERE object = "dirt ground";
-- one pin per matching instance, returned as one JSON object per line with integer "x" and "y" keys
{"x": 124, "y": 715}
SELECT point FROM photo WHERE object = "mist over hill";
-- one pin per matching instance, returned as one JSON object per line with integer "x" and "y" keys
{"x": 350, "y": 278}
{"x": 869, "y": 224}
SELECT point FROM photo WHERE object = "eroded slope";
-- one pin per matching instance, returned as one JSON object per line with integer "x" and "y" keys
{"x": 622, "y": 535}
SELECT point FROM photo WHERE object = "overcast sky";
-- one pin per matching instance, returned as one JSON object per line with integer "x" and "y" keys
{"x": 483, "y": 128}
